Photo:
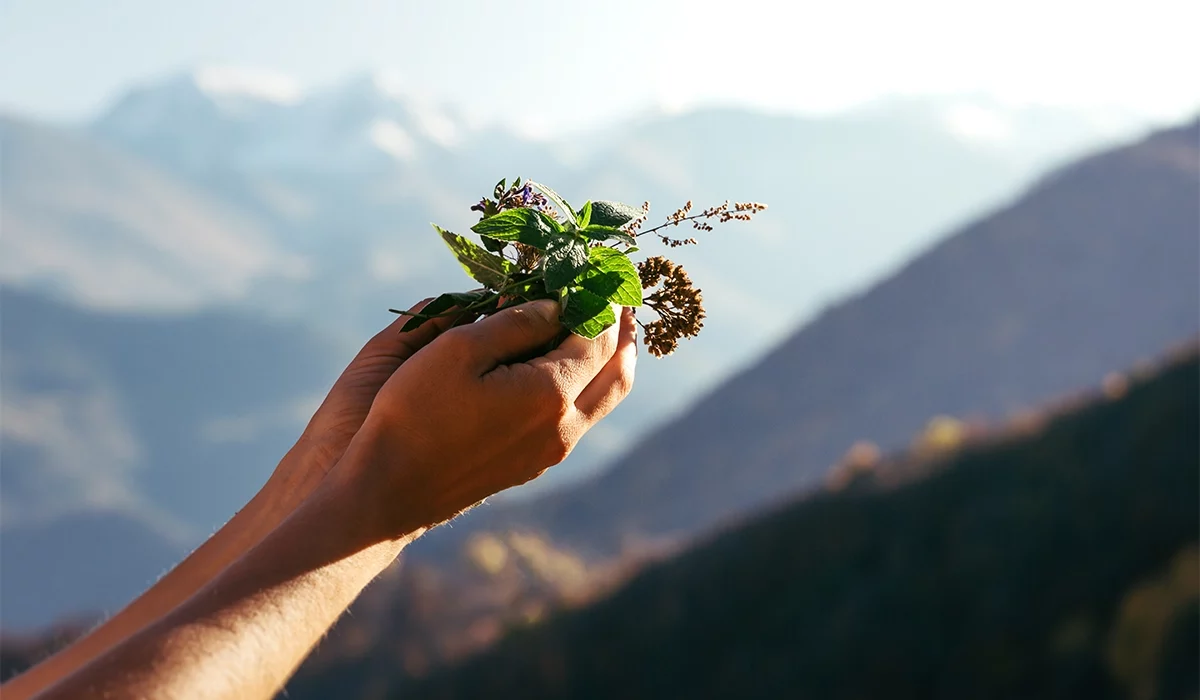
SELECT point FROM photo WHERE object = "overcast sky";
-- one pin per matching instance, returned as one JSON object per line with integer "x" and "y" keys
{"x": 557, "y": 65}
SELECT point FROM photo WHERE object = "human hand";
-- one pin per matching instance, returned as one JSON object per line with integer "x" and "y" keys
{"x": 341, "y": 414}
{"x": 461, "y": 420}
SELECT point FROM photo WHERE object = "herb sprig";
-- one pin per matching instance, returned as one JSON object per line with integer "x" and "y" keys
{"x": 535, "y": 245}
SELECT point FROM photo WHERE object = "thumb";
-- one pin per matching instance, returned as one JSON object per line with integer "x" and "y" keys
{"x": 514, "y": 333}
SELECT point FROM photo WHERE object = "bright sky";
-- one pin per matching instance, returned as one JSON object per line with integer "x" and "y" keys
{"x": 559, "y": 64}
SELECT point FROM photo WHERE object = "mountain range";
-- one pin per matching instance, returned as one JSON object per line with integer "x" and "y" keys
{"x": 195, "y": 227}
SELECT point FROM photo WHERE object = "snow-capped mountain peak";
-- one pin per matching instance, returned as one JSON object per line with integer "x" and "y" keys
{"x": 393, "y": 139}
{"x": 206, "y": 92}
{"x": 219, "y": 118}
{"x": 265, "y": 85}
{"x": 387, "y": 95}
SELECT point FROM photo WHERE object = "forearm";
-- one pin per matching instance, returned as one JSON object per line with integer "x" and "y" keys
{"x": 242, "y": 634}
{"x": 269, "y": 507}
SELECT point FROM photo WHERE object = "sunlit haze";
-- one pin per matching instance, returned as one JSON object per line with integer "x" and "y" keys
{"x": 548, "y": 67}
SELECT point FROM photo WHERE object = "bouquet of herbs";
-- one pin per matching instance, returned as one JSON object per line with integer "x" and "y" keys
{"x": 537, "y": 246}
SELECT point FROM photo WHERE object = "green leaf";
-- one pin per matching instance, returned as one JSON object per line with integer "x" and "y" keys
{"x": 555, "y": 227}
{"x": 555, "y": 198}
{"x": 441, "y": 305}
{"x": 585, "y": 215}
{"x": 522, "y": 224}
{"x": 487, "y": 269}
{"x": 493, "y": 245}
{"x": 611, "y": 275}
{"x": 597, "y": 232}
{"x": 613, "y": 213}
{"x": 414, "y": 322}
{"x": 587, "y": 314}
{"x": 566, "y": 257}
{"x": 466, "y": 298}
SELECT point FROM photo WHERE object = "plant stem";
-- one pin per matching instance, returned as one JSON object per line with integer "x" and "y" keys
{"x": 472, "y": 307}
{"x": 661, "y": 226}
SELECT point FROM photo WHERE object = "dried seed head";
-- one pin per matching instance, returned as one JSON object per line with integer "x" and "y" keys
{"x": 653, "y": 269}
{"x": 527, "y": 256}
{"x": 679, "y": 305}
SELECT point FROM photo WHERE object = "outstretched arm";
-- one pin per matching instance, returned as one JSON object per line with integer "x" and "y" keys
{"x": 243, "y": 634}
{"x": 459, "y": 421}
{"x": 304, "y": 466}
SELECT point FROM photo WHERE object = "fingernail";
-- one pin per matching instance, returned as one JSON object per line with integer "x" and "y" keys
{"x": 546, "y": 308}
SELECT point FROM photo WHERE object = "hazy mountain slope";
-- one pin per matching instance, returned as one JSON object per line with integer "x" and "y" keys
{"x": 86, "y": 563}
{"x": 1091, "y": 270}
{"x": 90, "y": 222}
{"x": 165, "y": 423}
{"x": 208, "y": 401}
{"x": 1062, "y": 564}
{"x": 852, "y": 195}
{"x": 849, "y": 198}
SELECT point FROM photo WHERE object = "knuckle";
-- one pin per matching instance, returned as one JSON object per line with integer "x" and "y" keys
{"x": 602, "y": 347}
{"x": 608, "y": 339}
{"x": 559, "y": 447}
{"x": 549, "y": 396}
{"x": 522, "y": 323}
{"x": 625, "y": 383}
{"x": 558, "y": 405}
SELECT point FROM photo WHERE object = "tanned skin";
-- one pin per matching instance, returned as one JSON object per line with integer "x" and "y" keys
{"x": 420, "y": 427}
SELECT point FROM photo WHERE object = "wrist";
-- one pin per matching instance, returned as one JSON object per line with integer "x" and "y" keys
{"x": 295, "y": 478}
{"x": 370, "y": 487}
{"x": 361, "y": 510}
{"x": 297, "y": 475}
{"x": 337, "y": 517}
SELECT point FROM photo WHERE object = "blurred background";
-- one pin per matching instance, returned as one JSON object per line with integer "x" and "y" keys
{"x": 983, "y": 227}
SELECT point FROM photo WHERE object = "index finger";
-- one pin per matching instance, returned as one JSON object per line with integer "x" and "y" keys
{"x": 395, "y": 341}
{"x": 577, "y": 360}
